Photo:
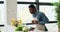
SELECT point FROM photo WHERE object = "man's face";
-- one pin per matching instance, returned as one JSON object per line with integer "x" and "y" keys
{"x": 32, "y": 10}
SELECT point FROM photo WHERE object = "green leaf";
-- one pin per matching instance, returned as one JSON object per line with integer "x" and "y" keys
{"x": 19, "y": 29}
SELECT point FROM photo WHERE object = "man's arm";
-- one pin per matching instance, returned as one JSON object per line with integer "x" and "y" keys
{"x": 44, "y": 19}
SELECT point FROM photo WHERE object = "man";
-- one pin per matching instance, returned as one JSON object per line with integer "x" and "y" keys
{"x": 40, "y": 18}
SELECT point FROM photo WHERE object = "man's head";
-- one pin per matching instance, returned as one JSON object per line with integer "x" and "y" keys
{"x": 32, "y": 9}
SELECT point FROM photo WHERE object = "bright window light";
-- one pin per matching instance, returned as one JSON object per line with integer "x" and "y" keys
{"x": 48, "y": 0}
{"x": 49, "y": 11}
{"x": 2, "y": 14}
{"x": 26, "y": 0}
{"x": 1, "y": 0}
{"x": 23, "y": 13}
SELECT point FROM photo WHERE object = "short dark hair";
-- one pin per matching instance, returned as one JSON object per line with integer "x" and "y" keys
{"x": 32, "y": 6}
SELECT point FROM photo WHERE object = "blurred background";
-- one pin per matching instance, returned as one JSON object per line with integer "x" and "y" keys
{"x": 44, "y": 6}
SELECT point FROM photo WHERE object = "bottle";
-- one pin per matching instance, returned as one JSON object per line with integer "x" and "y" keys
{"x": 13, "y": 22}
{"x": 25, "y": 29}
{"x": 20, "y": 26}
{"x": 16, "y": 23}
{"x": 20, "y": 22}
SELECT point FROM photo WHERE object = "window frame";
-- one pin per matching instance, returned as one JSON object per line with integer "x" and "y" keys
{"x": 37, "y": 5}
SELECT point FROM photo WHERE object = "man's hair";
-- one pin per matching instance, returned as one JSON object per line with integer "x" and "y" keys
{"x": 32, "y": 6}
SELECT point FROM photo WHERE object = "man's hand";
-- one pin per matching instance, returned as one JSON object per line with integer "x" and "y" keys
{"x": 35, "y": 21}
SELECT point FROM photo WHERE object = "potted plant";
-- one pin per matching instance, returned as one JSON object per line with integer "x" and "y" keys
{"x": 19, "y": 29}
{"x": 58, "y": 13}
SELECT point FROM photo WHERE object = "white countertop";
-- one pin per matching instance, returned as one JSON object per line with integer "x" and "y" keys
{"x": 51, "y": 28}
{"x": 12, "y": 29}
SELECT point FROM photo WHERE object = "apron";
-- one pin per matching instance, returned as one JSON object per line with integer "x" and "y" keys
{"x": 40, "y": 27}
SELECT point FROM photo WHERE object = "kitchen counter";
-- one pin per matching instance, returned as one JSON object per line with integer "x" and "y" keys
{"x": 51, "y": 28}
{"x": 12, "y": 28}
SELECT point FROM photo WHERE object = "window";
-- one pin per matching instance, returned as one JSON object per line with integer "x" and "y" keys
{"x": 1, "y": 0}
{"x": 49, "y": 12}
{"x": 23, "y": 13}
{"x": 45, "y": 8}
{"x": 48, "y": 1}
{"x": 26, "y": 0}
{"x": 2, "y": 14}
{"x": 52, "y": 27}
